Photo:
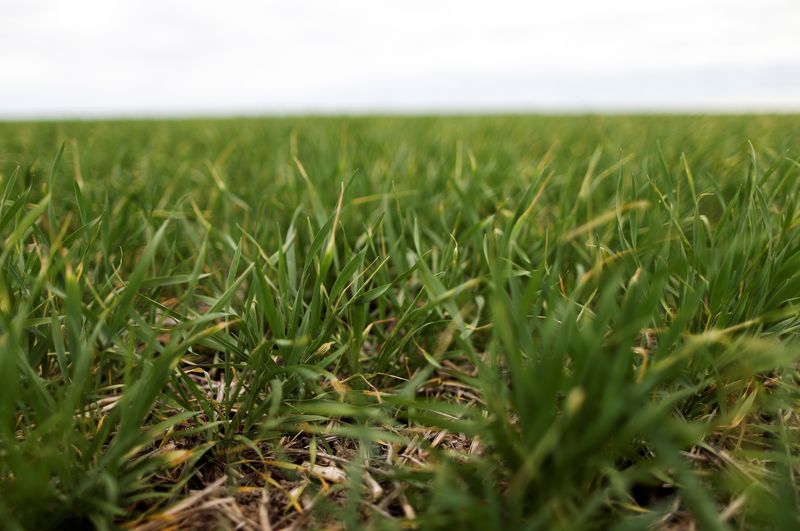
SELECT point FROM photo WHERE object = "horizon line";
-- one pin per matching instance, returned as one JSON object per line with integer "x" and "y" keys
{"x": 398, "y": 111}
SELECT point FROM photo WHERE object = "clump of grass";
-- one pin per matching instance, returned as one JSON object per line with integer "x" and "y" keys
{"x": 547, "y": 322}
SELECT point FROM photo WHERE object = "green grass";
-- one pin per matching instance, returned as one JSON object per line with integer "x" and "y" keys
{"x": 540, "y": 322}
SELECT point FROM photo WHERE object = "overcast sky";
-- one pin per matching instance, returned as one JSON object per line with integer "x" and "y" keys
{"x": 129, "y": 57}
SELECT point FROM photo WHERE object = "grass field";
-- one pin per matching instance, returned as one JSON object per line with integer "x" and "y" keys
{"x": 477, "y": 322}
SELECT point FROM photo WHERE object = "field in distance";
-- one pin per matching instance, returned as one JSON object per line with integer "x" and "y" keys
{"x": 583, "y": 322}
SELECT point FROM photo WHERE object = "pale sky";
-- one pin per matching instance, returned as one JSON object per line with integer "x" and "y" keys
{"x": 88, "y": 58}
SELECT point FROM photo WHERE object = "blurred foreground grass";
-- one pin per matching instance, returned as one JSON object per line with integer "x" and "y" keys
{"x": 545, "y": 322}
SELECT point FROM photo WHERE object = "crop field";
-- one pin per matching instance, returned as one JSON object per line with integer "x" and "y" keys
{"x": 520, "y": 322}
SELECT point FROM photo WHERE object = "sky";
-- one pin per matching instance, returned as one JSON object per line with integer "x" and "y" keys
{"x": 86, "y": 58}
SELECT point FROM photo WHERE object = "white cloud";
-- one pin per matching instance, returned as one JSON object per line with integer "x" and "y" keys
{"x": 175, "y": 56}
